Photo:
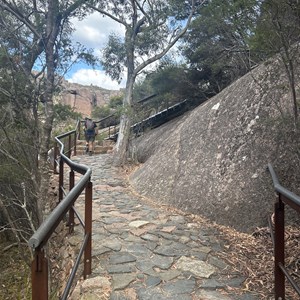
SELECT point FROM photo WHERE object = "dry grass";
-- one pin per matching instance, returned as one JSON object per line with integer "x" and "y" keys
{"x": 15, "y": 273}
{"x": 252, "y": 255}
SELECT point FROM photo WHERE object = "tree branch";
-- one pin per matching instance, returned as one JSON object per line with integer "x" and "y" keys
{"x": 9, "y": 247}
{"x": 16, "y": 161}
{"x": 73, "y": 7}
{"x": 139, "y": 25}
{"x": 101, "y": 11}
{"x": 143, "y": 11}
{"x": 154, "y": 58}
{"x": 15, "y": 11}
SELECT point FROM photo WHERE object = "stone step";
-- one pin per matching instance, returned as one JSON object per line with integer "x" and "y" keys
{"x": 100, "y": 147}
{"x": 104, "y": 143}
{"x": 97, "y": 150}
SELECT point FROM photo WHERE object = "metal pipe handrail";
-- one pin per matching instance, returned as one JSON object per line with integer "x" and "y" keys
{"x": 271, "y": 231}
{"x": 103, "y": 119}
{"x": 273, "y": 175}
{"x": 289, "y": 278}
{"x": 73, "y": 272}
{"x": 67, "y": 200}
{"x": 281, "y": 190}
{"x": 57, "y": 214}
{"x": 281, "y": 273}
{"x": 65, "y": 134}
{"x": 147, "y": 98}
{"x": 78, "y": 216}
{"x": 40, "y": 237}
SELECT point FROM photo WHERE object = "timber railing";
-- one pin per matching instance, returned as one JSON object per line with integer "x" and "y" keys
{"x": 65, "y": 209}
{"x": 285, "y": 197}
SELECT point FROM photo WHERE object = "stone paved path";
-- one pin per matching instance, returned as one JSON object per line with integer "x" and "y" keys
{"x": 146, "y": 252}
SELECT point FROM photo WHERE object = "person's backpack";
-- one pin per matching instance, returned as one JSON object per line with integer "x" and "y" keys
{"x": 89, "y": 124}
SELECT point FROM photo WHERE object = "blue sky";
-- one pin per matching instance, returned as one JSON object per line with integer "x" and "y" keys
{"x": 93, "y": 33}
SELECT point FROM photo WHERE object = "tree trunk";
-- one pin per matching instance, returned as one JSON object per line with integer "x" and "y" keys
{"x": 120, "y": 155}
{"x": 133, "y": 69}
{"x": 52, "y": 31}
{"x": 121, "y": 148}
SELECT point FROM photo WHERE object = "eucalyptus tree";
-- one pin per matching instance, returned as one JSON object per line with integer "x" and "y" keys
{"x": 175, "y": 82}
{"x": 217, "y": 45}
{"x": 35, "y": 47}
{"x": 152, "y": 28}
{"x": 277, "y": 32}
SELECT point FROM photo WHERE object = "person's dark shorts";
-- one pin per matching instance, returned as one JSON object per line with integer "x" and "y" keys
{"x": 90, "y": 136}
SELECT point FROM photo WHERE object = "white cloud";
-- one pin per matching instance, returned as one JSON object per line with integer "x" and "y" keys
{"x": 93, "y": 31}
{"x": 95, "y": 77}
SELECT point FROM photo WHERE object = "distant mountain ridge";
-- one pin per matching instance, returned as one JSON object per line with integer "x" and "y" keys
{"x": 82, "y": 98}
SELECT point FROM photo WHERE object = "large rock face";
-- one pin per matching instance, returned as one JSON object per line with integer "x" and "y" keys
{"x": 83, "y": 98}
{"x": 213, "y": 160}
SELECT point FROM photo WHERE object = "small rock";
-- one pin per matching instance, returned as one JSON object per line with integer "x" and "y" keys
{"x": 121, "y": 281}
{"x": 197, "y": 267}
{"x": 138, "y": 223}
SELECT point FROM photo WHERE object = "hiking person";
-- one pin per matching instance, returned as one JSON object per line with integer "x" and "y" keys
{"x": 90, "y": 133}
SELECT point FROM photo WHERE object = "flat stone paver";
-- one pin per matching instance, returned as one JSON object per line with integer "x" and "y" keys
{"x": 143, "y": 251}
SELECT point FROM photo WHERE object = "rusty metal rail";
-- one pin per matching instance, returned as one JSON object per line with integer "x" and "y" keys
{"x": 66, "y": 143}
{"x": 285, "y": 197}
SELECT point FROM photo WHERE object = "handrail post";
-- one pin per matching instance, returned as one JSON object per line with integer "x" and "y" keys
{"x": 69, "y": 146}
{"x": 61, "y": 180}
{"x": 88, "y": 229}
{"x": 279, "y": 250}
{"x": 71, "y": 211}
{"x": 55, "y": 155}
{"x": 75, "y": 143}
{"x": 40, "y": 266}
{"x": 79, "y": 129}
{"x": 39, "y": 276}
